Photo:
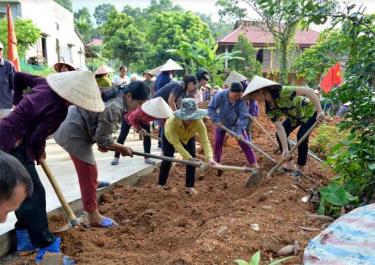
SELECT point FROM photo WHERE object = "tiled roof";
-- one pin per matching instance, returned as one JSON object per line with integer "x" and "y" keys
{"x": 260, "y": 35}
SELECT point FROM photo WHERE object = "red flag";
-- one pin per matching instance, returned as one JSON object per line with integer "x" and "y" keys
{"x": 12, "y": 41}
{"x": 332, "y": 78}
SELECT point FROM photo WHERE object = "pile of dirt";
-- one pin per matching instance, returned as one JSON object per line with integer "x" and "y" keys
{"x": 224, "y": 222}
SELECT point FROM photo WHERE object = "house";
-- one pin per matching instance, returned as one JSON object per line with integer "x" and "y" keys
{"x": 264, "y": 42}
{"x": 59, "y": 42}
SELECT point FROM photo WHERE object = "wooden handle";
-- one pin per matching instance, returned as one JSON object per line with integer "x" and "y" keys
{"x": 234, "y": 168}
{"x": 310, "y": 153}
{"x": 282, "y": 160}
{"x": 171, "y": 159}
{"x": 72, "y": 217}
{"x": 240, "y": 138}
{"x": 144, "y": 132}
{"x": 265, "y": 131}
{"x": 197, "y": 163}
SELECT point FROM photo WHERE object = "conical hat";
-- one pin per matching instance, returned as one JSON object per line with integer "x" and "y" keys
{"x": 58, "y": 66}
{"x": 78, "y": 88}
{"x": 157, "y": 108}
{"x": 170, "y": 65}
{"x": 234, "y": 77}
{"x": 103, "y": 69}
{"x": 258, "y": 83}
{"x": 156, "y": 70}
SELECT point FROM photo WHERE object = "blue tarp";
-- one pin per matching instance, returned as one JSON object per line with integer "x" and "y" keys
{"x": 350, "y": 240}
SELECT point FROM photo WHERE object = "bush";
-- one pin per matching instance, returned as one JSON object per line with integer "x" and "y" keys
{"x": 326, "y": 137}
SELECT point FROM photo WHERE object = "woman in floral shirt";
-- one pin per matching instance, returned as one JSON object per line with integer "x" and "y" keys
{"x": 289, "y": 108}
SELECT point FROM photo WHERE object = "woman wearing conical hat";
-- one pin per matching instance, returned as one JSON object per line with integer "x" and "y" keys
{"x": 82, "y": 129}
{"x": 167, "y": 71}
{"x": 23, "y": 134}
{"x": 140, "y": 118}
{"x": 102, "y": 77}
{"x": 289, "y": 108}
{"x": 64, "y": 67}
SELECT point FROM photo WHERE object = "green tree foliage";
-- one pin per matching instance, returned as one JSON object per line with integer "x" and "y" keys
{"x": 101, "y": 13}
{"x": 249, "y": 66}
{"x": 157, "y": 6}
{"x": 354, "y": 158}
{"x": 66, "y": 3}
{"x": 282, "y": 19}
{"x": 83, "y": 23}
{"x": 218, "y": 29}
{"x": 332, "y": 47}
{"x": 171, "y": 30}
{"x": 27, "y": 34}
{"x": 122, "y": 41}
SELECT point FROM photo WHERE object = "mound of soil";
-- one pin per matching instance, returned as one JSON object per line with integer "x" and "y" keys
{"x": 224, "y": 222}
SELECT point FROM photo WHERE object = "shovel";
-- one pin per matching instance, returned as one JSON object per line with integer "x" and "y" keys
{"x": 254, "y": 179}
{"x": 73, "y": 220}
{"x": 240, "y": 138}
{"x": 282, "y": 160}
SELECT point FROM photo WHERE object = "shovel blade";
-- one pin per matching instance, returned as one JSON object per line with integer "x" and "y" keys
{"x": 72, "y": 224}
{"x": 254, "y": 179}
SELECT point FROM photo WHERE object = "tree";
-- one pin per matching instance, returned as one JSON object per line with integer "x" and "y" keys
{"x": 157, "y": 6}
{"x": 332, "y": 47}
{"x": 170, "y": 30}
{"x": 354, "y": 158}
{"x": 83, "y": 23}
{"x": 27, "y": 34}
{"x": 282, "y": 19}
{"x": 218, "y": 29}
{"x": 123, "y": 42}
{"x": 249, "y": 66}
{"x": 101, "y": 13}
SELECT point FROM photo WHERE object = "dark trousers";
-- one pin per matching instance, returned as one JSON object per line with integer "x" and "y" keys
{"x": 165, "y": 166}
{"x": 161, "y": 129}
{"x": 125, "y": 127}
{"x": 32, "y": 214}
{"x": 303, "y": 148}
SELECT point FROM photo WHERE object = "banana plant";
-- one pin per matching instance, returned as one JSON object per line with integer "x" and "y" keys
{"x": 203, "y": 54}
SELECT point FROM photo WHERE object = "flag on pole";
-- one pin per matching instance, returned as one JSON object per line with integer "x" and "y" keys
{"x": 12, "y": 41}
{"x": 332, "y": 78}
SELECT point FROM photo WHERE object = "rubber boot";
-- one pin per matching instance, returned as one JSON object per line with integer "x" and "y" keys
{"x": 24, "y": 245}
{"x": 51, "y": 250}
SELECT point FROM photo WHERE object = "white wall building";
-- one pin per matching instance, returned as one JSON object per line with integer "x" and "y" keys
{"x": 59, "y": 41}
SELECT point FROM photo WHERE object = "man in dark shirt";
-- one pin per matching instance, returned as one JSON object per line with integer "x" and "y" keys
{"x": 6, "y": 84}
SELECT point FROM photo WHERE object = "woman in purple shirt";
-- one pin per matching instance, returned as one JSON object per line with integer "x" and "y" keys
{"x": 23, "y": 134}
{"x": 228, "y": 109}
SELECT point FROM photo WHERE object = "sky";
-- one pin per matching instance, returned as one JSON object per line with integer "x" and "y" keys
{"x": 206, "y": 7}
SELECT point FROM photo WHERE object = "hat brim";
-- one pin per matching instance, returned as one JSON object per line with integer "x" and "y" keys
{"x": 258, "y": 83}
{"x": 58, "y": 66}
{"x": 197, "y": 115}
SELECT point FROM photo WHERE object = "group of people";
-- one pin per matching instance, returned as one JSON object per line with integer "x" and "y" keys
{"x": 81, "y": 109}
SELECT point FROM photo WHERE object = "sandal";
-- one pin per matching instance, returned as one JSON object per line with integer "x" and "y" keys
{"x": 106, "y": 223}
{"x": 296, "y": 173}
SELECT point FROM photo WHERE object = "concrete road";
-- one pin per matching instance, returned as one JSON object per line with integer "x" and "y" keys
{"x": 63, "y": 169}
